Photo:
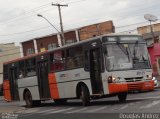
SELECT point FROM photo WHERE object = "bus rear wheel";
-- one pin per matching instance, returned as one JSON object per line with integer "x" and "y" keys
{"x": 28, "y": 99}
{"x": 85, "y": 96}
{"x": 122, "y": 97}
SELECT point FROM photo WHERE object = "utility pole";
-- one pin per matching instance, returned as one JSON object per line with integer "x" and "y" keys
{"x": 61, "y": 23}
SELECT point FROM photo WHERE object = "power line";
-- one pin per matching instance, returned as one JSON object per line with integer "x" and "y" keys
{"x": 26, "y": 31}
{"x": 47, "y": 27}
{"x": 60, "y": 18}
{"x": 68, "y": 3}
{"x": 32, "y": 11}
{"x": 27, "y": 12}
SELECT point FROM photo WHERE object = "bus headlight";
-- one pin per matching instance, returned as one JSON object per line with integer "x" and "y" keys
{"x": 113, "y": 79}
{"x": 149, "y": 77}
{"x": 110, "y": 79}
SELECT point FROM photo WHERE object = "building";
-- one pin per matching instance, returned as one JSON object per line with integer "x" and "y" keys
{"x": 153, "y": 44}
{"x": 52, "y": 41}
{"x": 96, "y": 30}
{"x": 8, "y": 52}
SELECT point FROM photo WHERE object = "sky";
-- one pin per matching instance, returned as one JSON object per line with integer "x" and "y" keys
{"x": 19, "y": 21}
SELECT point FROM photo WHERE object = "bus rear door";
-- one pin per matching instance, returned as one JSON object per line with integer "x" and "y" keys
{"x": 93, "y": 55}
{"x": 42, "y": 67}
{"x": 14, "y": 83}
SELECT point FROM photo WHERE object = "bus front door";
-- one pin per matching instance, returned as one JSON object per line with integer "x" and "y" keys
{"x": 43, "y": 79}
{"x": 14, "y": 83}
{"x": 95, "y": 71}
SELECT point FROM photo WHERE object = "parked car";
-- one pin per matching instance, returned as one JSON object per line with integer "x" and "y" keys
{"x": 155, "y": 81}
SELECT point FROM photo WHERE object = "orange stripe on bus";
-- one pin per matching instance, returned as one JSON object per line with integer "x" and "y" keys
{"x": 6, "y": 90}
{"x": 53, "y": 86}
{"x": 117, "y": 87}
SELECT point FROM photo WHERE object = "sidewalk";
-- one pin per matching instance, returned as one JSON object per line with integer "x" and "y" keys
{"x": 1, "y": 98}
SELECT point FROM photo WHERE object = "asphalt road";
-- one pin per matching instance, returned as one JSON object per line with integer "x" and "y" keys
{"x": 108, "y": 108}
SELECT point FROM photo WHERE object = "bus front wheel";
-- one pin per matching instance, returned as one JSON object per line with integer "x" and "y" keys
{"x": 122, "y": 97}
{"x": 85, "y": 96}
{"x": 28, "y": 99}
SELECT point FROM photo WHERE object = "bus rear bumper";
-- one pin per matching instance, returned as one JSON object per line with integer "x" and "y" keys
{"x": 141, "y": 86}
{"x": 117, "y": 88}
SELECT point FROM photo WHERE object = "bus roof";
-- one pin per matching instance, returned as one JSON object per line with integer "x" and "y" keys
{"x": 70, "y": 45}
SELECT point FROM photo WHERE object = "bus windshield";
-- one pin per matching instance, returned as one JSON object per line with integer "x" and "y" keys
{"x": 120, "y": 56}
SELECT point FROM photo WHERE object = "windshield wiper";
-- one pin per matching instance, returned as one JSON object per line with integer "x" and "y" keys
{"x": 134, "y": 51}
{"x": 124, "y": 50}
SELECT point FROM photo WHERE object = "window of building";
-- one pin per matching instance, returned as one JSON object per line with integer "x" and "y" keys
{"x": 70, "y": 41}
{"x": 30, "y": 51}
{"x": 51, "y": 46}
{"x": 30, "y": 66}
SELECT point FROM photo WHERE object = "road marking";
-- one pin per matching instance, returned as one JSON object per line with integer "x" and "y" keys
{"x": 50, "y": 110}
{"x": 31, "y": 110}
{"x": 123, "y": 107}
{"x": 98, "y": 109}
{"x": 82, "y": 109}
{"x": 62, "y": 110}
{"x": 150, "y": 104}
{"x": 158, "y": 97}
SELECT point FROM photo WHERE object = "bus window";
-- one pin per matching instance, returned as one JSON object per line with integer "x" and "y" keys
{"x": 57, "y": 61}
{"x": 30, "y": 67}
{"x": 86, "y": 60}
{"x": 21, "y": 69}
{"x": 52, "y": 67}
{"x": 74, "y": 57}
{"x": 5, "y": 70}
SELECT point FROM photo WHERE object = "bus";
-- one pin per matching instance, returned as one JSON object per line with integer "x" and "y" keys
{"x": 103, "y": 66}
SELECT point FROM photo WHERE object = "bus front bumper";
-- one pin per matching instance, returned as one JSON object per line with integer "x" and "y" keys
{"x": 141, "y": 86}
{"x": 117, "y": 88}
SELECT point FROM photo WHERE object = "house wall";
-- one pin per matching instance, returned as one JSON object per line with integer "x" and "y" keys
{"x": 28, "y": 45}
{"x": 83, "y": 33}
{"x": 96, "y": 30}
{"x": 7, "y": 52}
{"x": 42, "y": 43}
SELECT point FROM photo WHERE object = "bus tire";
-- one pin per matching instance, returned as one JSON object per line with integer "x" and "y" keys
{"x": 60, "y": 101}
{"x": 85, "y": 96}
{"x": 28, "y": 99}
{"x": 122, "y": 97}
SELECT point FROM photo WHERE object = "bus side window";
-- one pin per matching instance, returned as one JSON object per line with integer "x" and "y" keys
{"x": 86, "y": 62}
{"x": 31, "y": 67}
{"x": 74, "y": 57}
{"x": 52, "y": 66}
{"x": 58, "y": 60}
{"x": 21, "y": 69}
{"x": 5, "y": 71}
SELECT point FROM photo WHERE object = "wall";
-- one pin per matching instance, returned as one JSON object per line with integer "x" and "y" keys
{"x": 8, "y": 52}
{"x": 28, "y": 45}
{"x": 153, "y": 45}
{"x": 146, "y": 29}
{"x": 96, "y": 30}
{"x": 71, "y": 36}
{"x": 42, "y": 43}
